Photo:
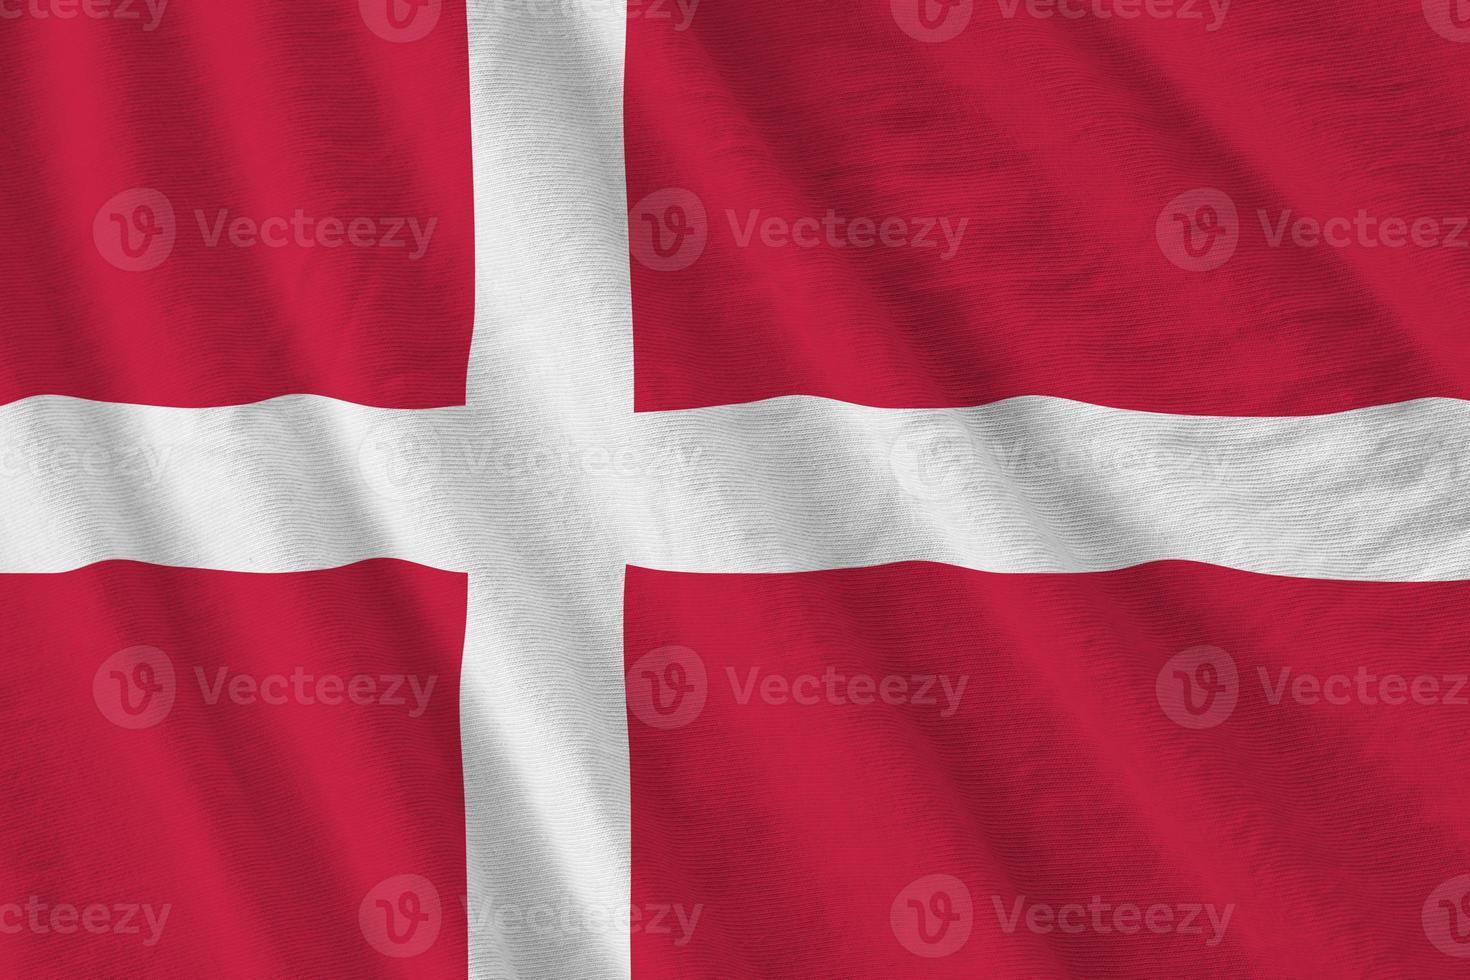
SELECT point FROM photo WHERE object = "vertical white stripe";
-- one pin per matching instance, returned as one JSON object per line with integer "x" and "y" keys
{"x": 545, "y": 738}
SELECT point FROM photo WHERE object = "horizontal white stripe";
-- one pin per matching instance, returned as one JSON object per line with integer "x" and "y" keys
{"x": 1047, "y": 485}
{"x": 1027, "y": 485}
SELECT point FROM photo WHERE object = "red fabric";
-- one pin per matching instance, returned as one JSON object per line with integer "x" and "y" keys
{"x": 1062, "y": 142}
{"x": 1060, "y": 776}
{"x": 262, "y": 827}
{"x": 258, "y": 111}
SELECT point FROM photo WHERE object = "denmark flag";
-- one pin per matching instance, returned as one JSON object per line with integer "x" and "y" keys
{"x": 689, "y": 489}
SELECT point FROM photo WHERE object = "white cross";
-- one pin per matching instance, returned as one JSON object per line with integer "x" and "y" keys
{"x": 304, "y": 483}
